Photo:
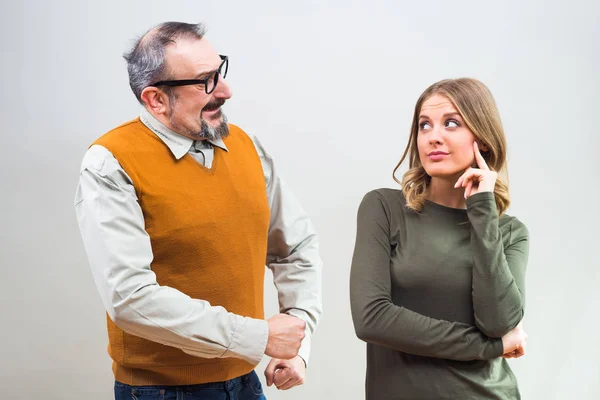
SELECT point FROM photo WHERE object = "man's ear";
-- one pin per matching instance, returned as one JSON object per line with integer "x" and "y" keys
{"x": 155, "y": 99}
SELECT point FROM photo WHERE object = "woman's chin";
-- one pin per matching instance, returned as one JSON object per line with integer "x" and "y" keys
{"x": 444, "y": 173}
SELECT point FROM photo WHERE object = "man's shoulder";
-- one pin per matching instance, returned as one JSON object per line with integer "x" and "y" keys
{"x": 122, "y": 129}
{"x": 130, "y": 133}
{"x": 235, "y": 130}
{"x": 237, "y": 134}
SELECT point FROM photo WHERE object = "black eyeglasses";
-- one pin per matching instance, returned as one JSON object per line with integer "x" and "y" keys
{"x": 210, "y": 82}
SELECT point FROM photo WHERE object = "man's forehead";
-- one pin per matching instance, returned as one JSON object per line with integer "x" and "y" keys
{"x": 194, "y": 53}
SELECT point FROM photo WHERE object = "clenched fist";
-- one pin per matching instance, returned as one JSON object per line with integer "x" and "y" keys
{"x": 285, "y": 335}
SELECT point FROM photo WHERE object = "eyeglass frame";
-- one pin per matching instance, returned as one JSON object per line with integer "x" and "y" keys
{"x": 186, "y": 82}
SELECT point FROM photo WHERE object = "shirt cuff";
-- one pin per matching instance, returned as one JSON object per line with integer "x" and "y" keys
{"x": 249, "y": 340}
{"x": 304, "y": 351}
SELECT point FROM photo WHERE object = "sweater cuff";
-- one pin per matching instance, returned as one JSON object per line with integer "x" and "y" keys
{"x": 249, "y": 340}
{"x": 481, "y": 197}
{"x": 494, "y": 350}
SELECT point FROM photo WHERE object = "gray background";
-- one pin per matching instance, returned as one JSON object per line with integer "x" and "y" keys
{"x": 330, "y": 90}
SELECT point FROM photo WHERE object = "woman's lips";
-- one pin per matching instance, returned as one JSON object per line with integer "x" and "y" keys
{"x": 437, "y": 155}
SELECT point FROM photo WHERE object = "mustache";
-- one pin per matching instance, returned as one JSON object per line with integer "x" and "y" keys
{"x": 213, "y": 105}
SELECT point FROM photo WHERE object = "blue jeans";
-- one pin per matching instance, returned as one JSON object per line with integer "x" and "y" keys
{"x": 245, "y": 387}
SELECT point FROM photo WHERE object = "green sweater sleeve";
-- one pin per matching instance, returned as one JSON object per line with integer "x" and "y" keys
{"x": 378, "y": 320}
{"x": 498, "y": 267}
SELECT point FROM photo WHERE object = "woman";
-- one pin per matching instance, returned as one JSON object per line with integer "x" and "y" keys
{"x": 437, "y": 280}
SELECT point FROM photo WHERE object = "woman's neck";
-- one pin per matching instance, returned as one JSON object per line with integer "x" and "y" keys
{"x": 442, "y": 191}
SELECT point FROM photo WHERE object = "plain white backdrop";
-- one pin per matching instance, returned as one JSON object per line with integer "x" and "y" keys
{"x": 329, "y": 88}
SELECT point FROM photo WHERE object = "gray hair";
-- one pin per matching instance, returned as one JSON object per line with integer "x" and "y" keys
{"x": 146, "y": 61}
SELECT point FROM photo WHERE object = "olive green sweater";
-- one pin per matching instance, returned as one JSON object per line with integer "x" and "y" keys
{"x": 432, "y": 293}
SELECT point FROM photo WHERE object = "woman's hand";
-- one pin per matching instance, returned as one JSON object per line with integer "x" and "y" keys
{"x": 514, "y": 342}
{"x": 477, "y": 180}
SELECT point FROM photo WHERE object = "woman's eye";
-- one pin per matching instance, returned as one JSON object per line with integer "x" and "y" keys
{"x": 424, "y": 125}
{"x": 451, "y": 123}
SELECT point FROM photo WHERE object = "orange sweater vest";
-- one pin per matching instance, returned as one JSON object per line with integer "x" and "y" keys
{"x": 208, "y": 230}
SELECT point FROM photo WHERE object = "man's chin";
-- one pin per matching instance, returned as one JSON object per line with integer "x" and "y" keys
{"x": 214, "y": 123}
{"x": 215, "y": 128}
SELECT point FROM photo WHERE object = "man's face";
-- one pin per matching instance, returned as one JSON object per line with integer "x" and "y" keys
{"x": 192, "y": 112}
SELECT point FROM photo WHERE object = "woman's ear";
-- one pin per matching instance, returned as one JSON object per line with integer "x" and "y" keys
{"x": 482, "y": 146}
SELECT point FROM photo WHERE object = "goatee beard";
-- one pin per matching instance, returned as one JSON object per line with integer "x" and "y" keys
{"x": 207, "y": 131}
{"x": 210, "y": 132}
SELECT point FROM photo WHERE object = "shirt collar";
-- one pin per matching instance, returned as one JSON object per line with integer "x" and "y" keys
{"x": 178, "y": 144}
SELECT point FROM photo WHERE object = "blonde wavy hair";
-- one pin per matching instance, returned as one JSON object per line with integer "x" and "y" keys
{"x": 476, "y": 105}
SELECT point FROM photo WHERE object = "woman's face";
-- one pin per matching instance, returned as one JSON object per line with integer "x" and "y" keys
{"x": 445, "y": 143}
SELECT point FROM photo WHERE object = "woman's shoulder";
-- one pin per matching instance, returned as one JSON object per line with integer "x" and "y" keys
{"x": 390, "y": 200}
{"x": 391, "y": 197}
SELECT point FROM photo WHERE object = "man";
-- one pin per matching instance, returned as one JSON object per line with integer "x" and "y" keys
{"x": 178, "y": 211}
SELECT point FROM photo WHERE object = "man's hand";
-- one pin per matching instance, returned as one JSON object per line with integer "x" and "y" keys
{"x": 285, "y": 374}
{"x": 285, "y": 335}
{"x": 514, "y": 342}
